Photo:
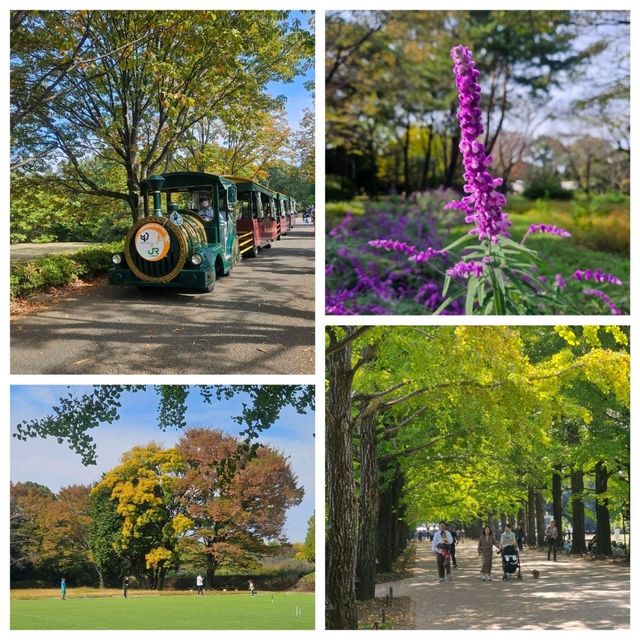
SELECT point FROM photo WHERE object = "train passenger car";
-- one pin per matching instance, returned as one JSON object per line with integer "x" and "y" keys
{"x": 185, "y": 242}
{"x": 294, "y": 213}
{"x": 258, "y": 221}
{"x": 285, "y": 213}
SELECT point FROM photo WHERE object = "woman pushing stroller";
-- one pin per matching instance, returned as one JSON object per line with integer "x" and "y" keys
{"x": 510, "y": 554}
{"x": 507, "y": 547}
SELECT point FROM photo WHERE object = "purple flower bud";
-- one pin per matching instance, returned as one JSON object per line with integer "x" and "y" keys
{"x": 605, "y": 298}
{"x": 466, "y": 269}
{"x": 549, "y": 228}
{"x": 597, "y": 276}
{"x": 560, "y": 281}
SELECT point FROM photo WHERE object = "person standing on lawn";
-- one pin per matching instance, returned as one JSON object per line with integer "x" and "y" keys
{"x": 485, "y": 550}
{"x": 63, "y": 588}
{"x": 125, "y": 586}
{"x": 441, "y": 547}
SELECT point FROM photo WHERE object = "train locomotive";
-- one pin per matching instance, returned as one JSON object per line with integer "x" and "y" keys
{"x": 190, "y": 242}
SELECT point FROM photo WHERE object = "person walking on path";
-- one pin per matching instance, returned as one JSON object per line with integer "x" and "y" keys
{"x": 508, "y": 538}
{"x": 454, "y": 536}
{"x": 462, "y": 535}
{"x": 441, "y": 545}
{"x": 63, "y": 588}
{"x": 200, "y": 585}
{"x": 125, "y": 586}
{"x": 485, "y": 549}
{"x": 551, "y": 535}
{"x": 252, "y": 588}
{"x": 520, "y": 537}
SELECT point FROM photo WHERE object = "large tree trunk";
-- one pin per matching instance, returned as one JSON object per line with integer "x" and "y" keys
{"x": 211, "y": 566}
{"x": 427, "y": 159}
{"x": 342, "y": 523}
{"x": 400, "y": 530}
{"x": 384, "y": 529}
{"x": 369, "y": 508}
{"x": 161, "y": 577}
{"x": 578, "y": 545}
{"x": 603, "y": 523}
{"x": 405, "y": 157}
{"x": 100, "y": 578}
{"x": 539, "y": 518}
{"x": 453, "y": 161}
{"x": 556, "y": 490}
{"x": 531, "y": 518}
{"x": 522, "y": 518}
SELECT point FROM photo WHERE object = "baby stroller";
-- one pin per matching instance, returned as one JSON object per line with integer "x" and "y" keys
{"x": 510, "y": 563}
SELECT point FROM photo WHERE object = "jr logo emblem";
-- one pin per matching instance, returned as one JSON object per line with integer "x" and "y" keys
{"x": 152, "y": 242}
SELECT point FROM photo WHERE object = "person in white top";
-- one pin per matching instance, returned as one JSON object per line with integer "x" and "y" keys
{"x": 441, "y": 547}
{"x": 508, "y": 538}
{"x": 200, "y": 585}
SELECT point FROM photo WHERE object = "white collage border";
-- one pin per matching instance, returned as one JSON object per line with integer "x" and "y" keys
{"x": 319, "y": 6}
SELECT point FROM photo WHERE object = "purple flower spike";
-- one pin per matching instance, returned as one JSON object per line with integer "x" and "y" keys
{"x": 549, "y": 228}
{"x": 605, "y": 298}
{"x": 341, "y": 229}
{"x": 484, "y": 204}
{"x": 597, "y": 276}
{"x": 466, "y": 269}
{"x": 560, "y": 281}
{"x": 393, "y": 245}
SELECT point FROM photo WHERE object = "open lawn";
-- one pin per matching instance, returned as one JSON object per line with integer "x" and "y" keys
{"x": 44, "y": 609}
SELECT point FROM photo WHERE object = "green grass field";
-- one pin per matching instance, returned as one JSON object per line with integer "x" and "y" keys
{"x": 213, "y": 611}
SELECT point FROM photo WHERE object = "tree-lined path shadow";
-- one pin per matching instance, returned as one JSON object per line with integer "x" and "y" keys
{"x": 572, "y": 593}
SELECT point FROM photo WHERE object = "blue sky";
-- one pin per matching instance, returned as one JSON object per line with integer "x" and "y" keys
{"x": 298, "y": 98}
{"x": 54, "y": 465}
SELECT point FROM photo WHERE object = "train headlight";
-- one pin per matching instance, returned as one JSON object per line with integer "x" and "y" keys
{"x": 196, "y": 259}
{"x": 116, "y": 258}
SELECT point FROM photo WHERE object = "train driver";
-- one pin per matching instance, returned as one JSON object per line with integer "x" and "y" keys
{"x": 206, "y": 211}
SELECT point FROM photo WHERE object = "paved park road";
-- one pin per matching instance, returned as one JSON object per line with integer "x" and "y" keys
{"x": 573, "y": 593}
{"x": 258, "y": 320}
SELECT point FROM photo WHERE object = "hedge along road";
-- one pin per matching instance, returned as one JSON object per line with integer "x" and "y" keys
{"x": 258, "y": 320}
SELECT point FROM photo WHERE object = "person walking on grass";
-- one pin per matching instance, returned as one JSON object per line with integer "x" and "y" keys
{"x": 200, "y": 585}
{"x": 441, "y": 547}
{"x": 63, "y": 588}
{"x": 551, "y": 535}
{"x": 485, "y": 550}
{"x": 252, "y": 588}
